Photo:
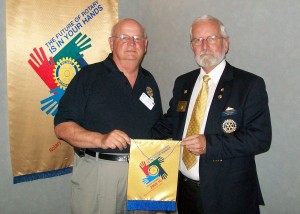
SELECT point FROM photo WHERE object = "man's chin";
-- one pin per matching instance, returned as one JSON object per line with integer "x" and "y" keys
{"x": 131, "y": 58}
{"x": 204, "y": 61}
{"x": 208, "y": 61}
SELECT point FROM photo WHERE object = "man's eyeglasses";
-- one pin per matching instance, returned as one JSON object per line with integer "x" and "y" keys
{"x": 211, "y": 40}
{"x": 125, "y": 38}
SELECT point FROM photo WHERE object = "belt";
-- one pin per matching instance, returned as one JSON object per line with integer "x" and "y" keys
{"x": 188, "y": 180}
{"x": 123, "y": 158}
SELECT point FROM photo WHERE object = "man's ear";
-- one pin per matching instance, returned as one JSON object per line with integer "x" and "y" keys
{"x": 146, "y": 44}
{"x": 227, "y": 43}
{"x": 111, "y": 43}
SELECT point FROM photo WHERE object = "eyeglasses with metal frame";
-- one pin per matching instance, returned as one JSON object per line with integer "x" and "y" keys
{"x": 211, "y": 40}
{"x": 126, "y": 38}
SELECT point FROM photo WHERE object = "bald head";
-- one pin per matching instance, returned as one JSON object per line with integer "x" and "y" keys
{"x": 116, "y": 28}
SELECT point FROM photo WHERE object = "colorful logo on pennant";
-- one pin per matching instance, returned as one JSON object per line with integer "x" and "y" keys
{"x": 153, "y": 170}
{"x": 57, "y": 72}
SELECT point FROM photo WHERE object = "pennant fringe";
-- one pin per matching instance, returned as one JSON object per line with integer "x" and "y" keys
{"x": 151, "y": 205}
{"x": 42, "y": 175}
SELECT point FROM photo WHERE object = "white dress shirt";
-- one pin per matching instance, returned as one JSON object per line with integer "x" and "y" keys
{"x": 215, "y": 76}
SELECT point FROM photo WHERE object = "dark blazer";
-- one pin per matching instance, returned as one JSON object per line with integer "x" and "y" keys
{"x": 238, "y": 127}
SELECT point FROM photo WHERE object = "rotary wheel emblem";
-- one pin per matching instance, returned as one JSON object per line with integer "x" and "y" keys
{"x": 153, "y": 170}
{"x": 229, "y": 126}
{"x": 64, "y": 71}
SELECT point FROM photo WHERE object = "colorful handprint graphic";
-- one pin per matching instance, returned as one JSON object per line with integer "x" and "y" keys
{"x": 57, "y": 72}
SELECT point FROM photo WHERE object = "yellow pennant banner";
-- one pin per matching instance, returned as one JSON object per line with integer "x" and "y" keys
{"x": 153, "y": 174}
{"x": 48, "y": 42}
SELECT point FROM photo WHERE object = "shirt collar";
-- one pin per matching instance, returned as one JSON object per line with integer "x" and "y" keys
{"x": 216, "y": 73}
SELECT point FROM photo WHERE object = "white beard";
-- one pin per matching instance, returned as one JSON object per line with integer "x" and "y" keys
{"x": 208, "y": 61}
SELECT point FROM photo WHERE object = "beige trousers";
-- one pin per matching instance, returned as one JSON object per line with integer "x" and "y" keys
{"x": 99, "y": 187}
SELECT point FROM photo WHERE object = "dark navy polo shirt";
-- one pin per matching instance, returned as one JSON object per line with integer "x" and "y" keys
{"x": 100, "y": 98}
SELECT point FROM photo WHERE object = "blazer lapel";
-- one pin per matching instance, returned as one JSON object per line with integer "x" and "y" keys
{"x": 219, "y": 101}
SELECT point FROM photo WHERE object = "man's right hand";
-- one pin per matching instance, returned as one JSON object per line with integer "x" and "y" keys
{"x": 115, "y": 139}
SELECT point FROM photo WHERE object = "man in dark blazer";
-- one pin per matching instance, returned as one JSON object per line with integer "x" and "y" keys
{"x": 236, "y": 126}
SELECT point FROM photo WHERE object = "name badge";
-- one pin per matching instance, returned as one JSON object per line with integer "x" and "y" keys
{"x": 147, "y": 101}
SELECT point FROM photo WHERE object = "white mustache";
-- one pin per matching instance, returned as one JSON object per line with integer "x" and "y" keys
{"x": 206, "y": 53}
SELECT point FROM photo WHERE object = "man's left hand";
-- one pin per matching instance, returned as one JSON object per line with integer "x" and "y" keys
{"x": 195, "y": 144}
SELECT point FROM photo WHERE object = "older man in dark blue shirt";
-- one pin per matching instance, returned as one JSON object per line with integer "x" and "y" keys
{"x": 104, "y": 104}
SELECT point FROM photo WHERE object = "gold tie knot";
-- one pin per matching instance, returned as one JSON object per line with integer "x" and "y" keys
{"x": 206, "y": 78}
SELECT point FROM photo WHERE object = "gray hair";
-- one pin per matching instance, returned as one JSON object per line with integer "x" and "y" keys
{"x": 209, "y": 17}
